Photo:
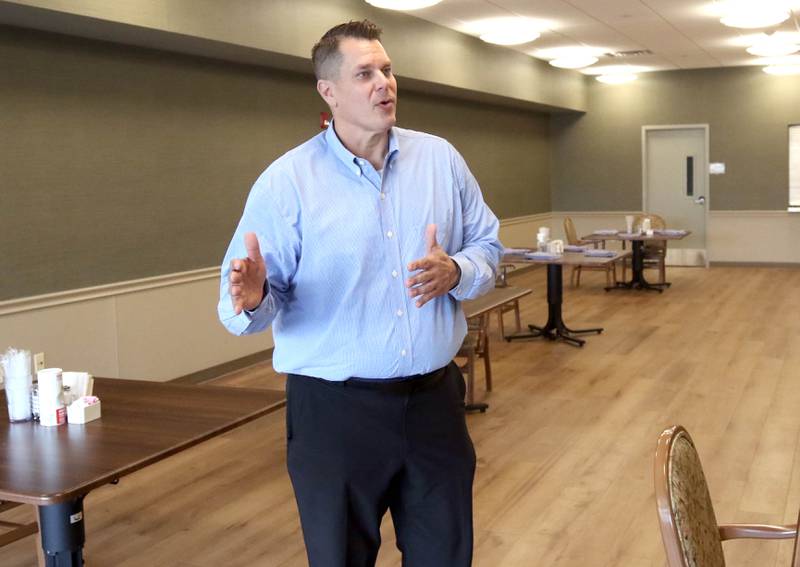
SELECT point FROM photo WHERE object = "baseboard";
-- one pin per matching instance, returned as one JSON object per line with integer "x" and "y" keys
{"x": 225, "y": 368}
{"x": 755, "y": 264}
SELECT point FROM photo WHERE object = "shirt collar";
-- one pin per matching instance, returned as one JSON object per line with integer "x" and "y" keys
{"x": 348, "y": 158}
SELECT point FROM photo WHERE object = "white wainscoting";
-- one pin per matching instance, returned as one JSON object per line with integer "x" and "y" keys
{"x": 748, "y": 237}
{"x": 150, "y": 329}
{"x": 587, "y": 222}
{"x": 164, "y": 327}
{"x": 520, "y": 232}
{"x": 754, "y": 237}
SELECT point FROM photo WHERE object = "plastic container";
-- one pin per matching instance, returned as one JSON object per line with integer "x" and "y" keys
{"x": 52, "y": 411}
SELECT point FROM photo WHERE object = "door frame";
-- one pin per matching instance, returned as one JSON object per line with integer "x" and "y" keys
{"x": 706, "y": 130}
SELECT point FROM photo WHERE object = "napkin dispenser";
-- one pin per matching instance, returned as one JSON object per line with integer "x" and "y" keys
{"x": 83, "y": 410}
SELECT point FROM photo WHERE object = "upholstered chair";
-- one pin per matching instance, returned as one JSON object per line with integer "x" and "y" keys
{"x": 689, "y": 529}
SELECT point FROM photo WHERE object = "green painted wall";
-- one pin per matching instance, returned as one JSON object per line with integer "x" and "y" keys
{"x": 507, "y": 150}
{"x": 597, "y": 156}
{"x": 280, "y": 33}
{"x": 121, "y": 163}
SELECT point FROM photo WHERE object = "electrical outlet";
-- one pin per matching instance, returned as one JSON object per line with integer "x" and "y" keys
{"x": 38, "y": 362}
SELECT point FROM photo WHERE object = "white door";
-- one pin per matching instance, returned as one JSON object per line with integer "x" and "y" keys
{"x": 676, "y": 187}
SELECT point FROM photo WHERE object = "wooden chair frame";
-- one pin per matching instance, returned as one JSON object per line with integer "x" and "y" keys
{"x": 666, "y": 515}
{"x": 575, "y": 276}
{"x": 502, "y": 281}
{"x": 17, "y": 531}
{"x": 475, "y": 345}
{"x": 796, "y": 555}
{"x": 655, "y": 261}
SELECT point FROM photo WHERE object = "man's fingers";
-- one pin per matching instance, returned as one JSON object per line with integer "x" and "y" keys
{"x": 235, "y": 277}
{"x": 430, "y": 238}
{"x": 427, "y": 289}
{"x": 237, "y": 298}
{"x": 425, "y": 263}
{"x": 419, "y": 279}
{"x": 253, "y": 249}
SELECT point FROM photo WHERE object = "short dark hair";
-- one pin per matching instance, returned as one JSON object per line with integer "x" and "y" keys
{"x": 325, "y": 55}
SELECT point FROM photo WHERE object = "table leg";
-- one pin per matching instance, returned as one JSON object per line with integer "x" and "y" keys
{"x": 555, "y": 328}
{"x": 63, "y": 533}
{"x": 638, "y": 280}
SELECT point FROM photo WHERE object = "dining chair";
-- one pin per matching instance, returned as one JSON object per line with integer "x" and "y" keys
{"x": 654, "y": 251}
{"x": 689, "y": 529}
{"x": 475, "y": 346}
{"x": 15, "y": 530}
{"x": 575, "y": 276}
{"x": 796, "y": 555}
{"x": 511, "y": 306}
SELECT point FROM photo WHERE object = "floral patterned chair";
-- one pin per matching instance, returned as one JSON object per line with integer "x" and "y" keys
{"x": 692, "y": 537}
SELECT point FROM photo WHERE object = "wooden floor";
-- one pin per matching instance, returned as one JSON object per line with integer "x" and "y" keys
{"x": 565, "y": 453}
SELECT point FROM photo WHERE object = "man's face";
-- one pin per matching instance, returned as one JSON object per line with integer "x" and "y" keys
{"x": 364, "y": 95}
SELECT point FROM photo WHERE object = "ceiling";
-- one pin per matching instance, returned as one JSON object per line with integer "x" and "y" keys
{"x": 681, "y": 34}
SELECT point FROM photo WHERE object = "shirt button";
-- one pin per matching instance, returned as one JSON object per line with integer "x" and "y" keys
{"x": 394, "y": 273}
{"x": 390, "y": 234}
{"x": 399, "y": 312}
{"x": 383, "y": 196}
{"x": 359, "y": 173}
{"x": 403, "y": 352}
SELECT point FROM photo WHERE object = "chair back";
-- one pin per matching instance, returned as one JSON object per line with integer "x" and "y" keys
{"x": 657, "y": 222}
{"x": 570, "y": 232}
{"x": 686, "y": 516}
{"x": 502, "y": 274}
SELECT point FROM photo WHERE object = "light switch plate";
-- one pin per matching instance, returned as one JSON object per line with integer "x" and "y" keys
{"x": 38, "y": 362}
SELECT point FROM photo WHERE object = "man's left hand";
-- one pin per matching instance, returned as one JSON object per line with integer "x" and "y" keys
{"x": 436, "y": 272}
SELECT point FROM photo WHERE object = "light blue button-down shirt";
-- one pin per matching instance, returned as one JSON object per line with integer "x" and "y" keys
{"x": 337, "y": 237}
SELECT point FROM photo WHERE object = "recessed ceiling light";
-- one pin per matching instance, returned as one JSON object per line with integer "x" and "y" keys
{"x": 572, "y": 57}
{"x": 508, "y": 31}
{"x": 782, "y": 69}
{"x": 616, "y": 78}
{"x": 616, "y": 70}
{"x": 772, "y": 46}
{"x": 403, "y": 4}
{"x": 574, "y": 61}
{"x": 749, "y": 15}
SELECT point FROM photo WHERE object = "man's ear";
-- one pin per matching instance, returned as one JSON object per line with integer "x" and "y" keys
{"x": 325, "y": 90}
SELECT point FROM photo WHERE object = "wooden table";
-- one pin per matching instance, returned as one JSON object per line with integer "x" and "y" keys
{"x": 480, "y": 309}
{"x": 555, "y": 328}
{"x": 493, "y": 299}
{"x": 638, "y": 280}
{"x": 54, "y": 468}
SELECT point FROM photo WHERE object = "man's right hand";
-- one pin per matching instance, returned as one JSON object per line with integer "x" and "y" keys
{"x": 247, "y": 276}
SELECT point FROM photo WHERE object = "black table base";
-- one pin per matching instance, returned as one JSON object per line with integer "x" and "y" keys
{"x": 555, "y": 328}
{"x": 63, "y": 534}
{"x": 638, "y": 280}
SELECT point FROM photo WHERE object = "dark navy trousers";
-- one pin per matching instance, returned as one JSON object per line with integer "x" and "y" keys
{"x": 361, "y": 447}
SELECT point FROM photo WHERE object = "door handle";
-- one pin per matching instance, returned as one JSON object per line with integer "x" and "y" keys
{"x": 701, "y": 200}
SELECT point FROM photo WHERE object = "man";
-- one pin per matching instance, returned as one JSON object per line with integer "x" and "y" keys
{"x": 357, "y": 247}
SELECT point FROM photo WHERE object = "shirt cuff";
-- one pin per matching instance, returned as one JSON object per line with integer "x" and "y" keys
{"x": 467, "y": 277}
{"x": 253, "y": 313}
